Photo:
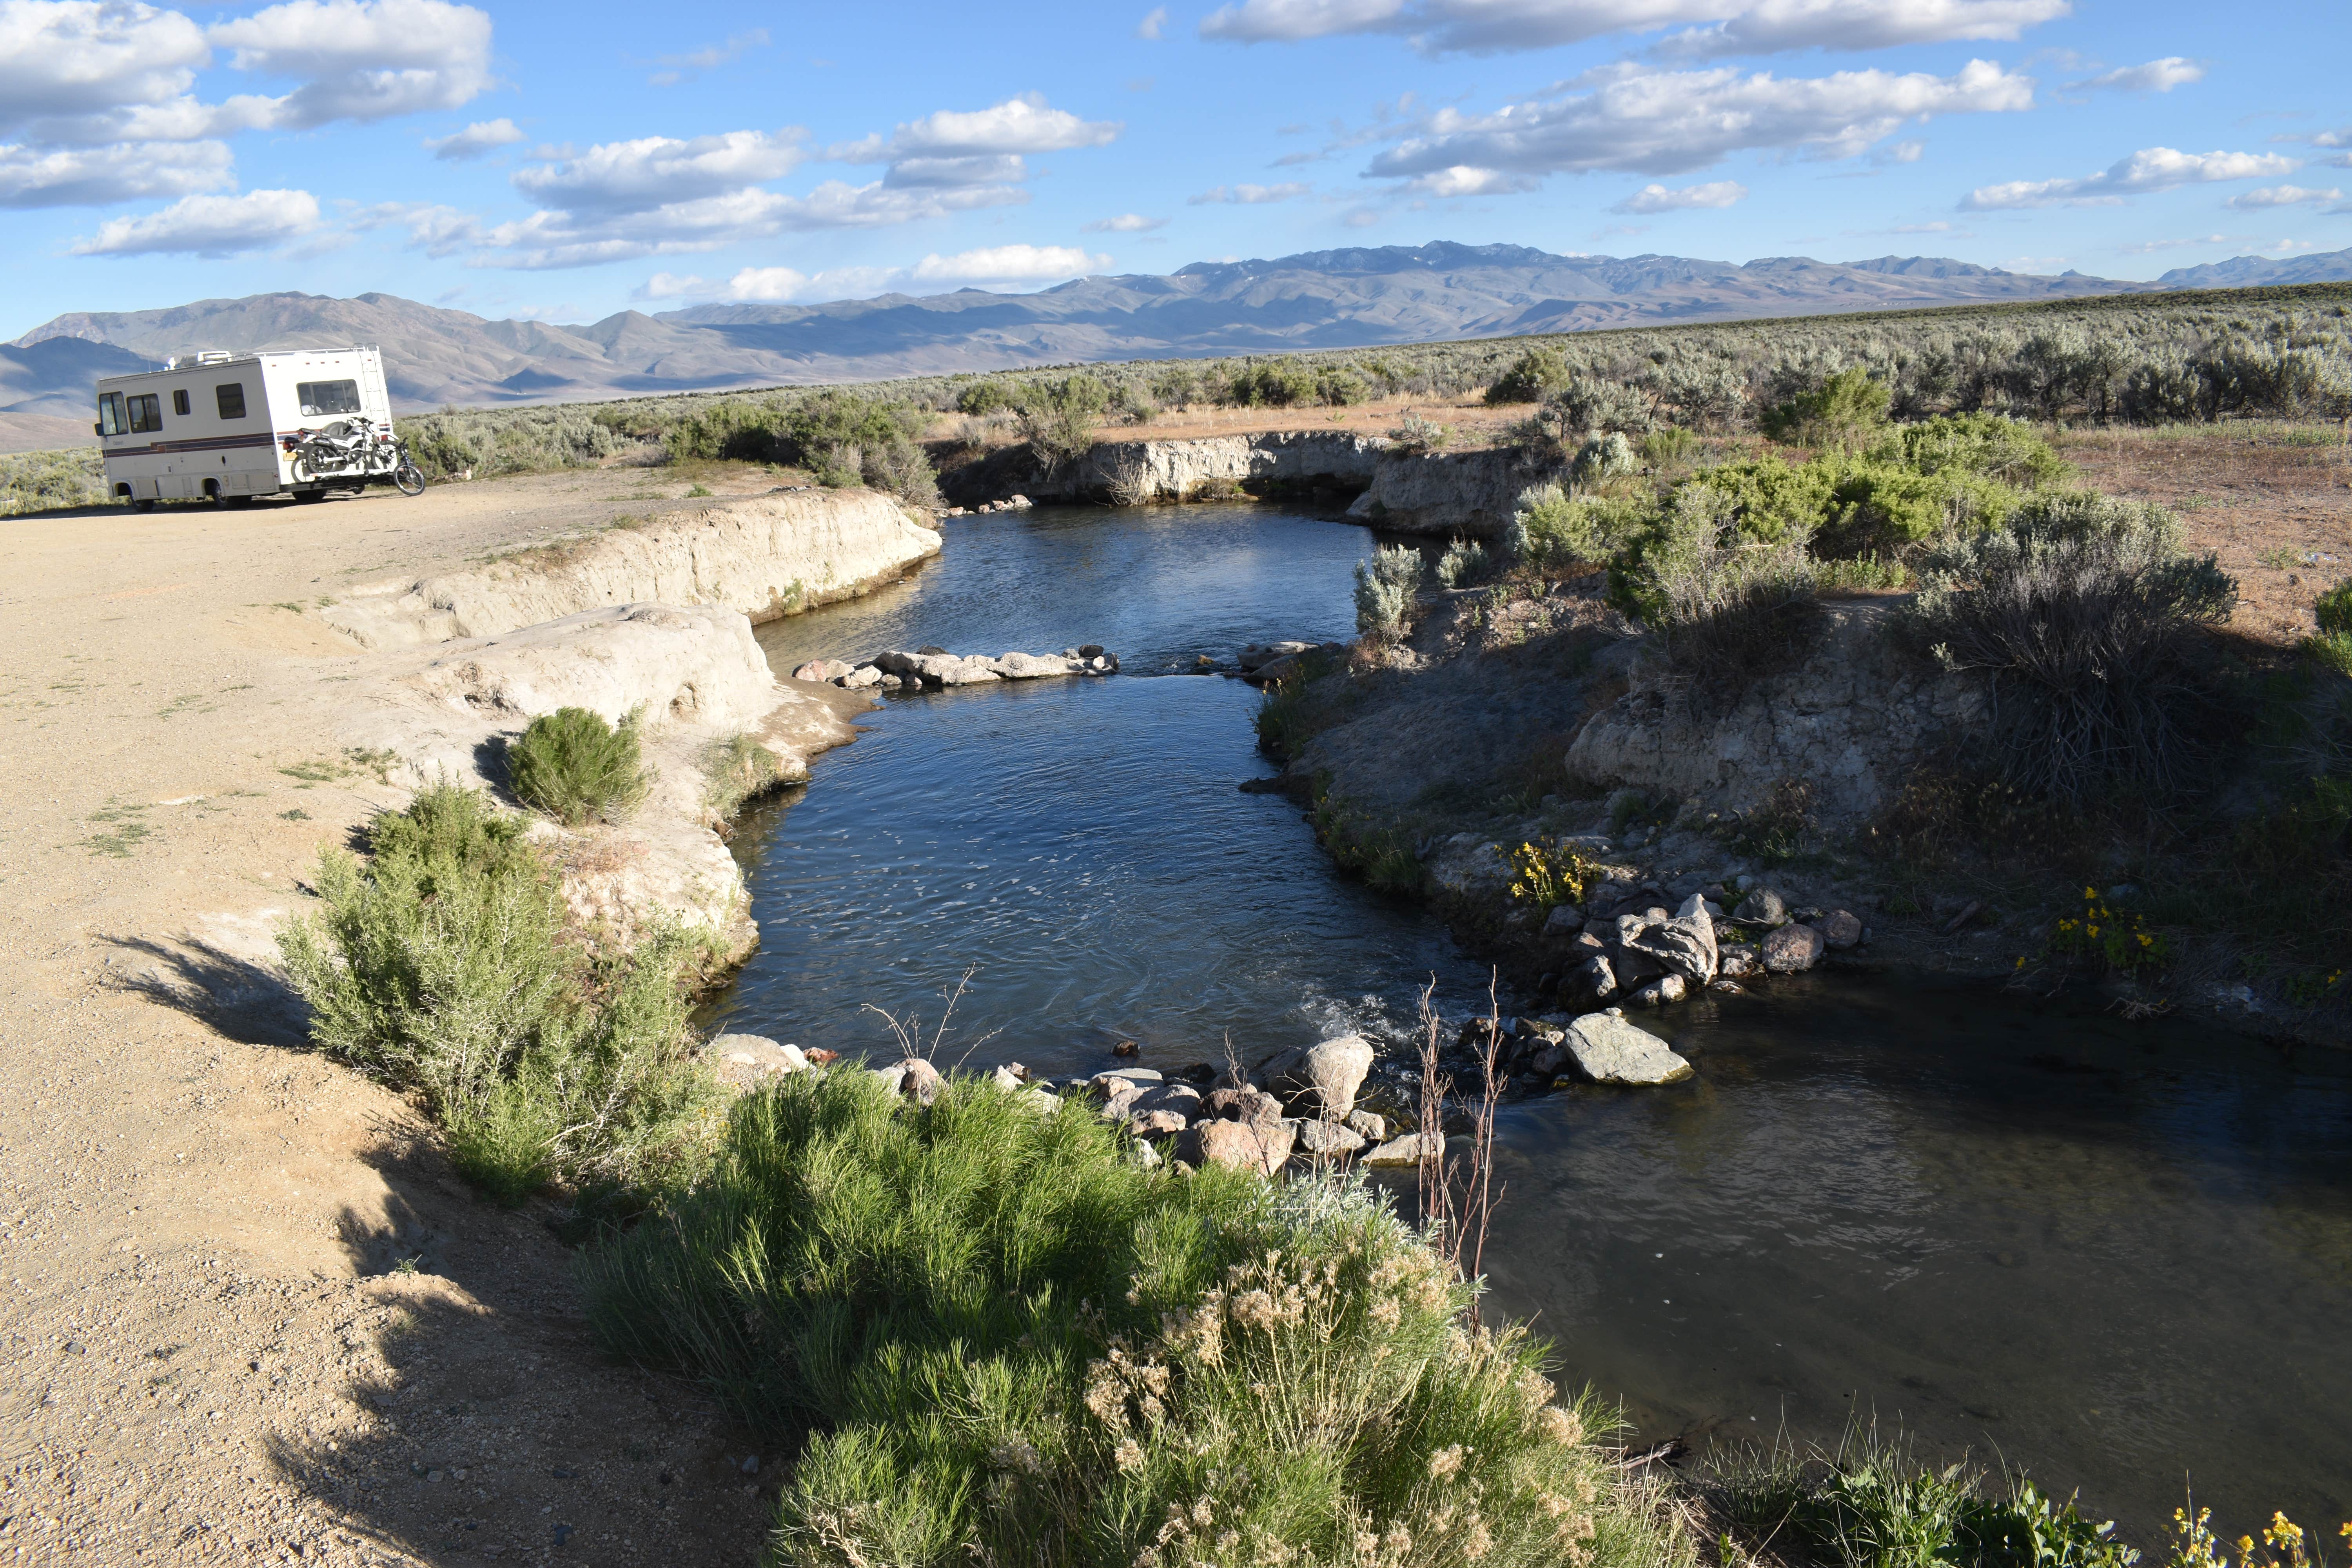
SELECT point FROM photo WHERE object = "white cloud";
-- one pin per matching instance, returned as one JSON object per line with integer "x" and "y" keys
{"x": 1125, "y": 222}
{"x": 1660, "y": 199}
{"x": 1009, "y": 264}
{"x": 1153, "y": 25}
{"x": 1361, "y": 217}
{"x": 677, "y": 68}
{"x": 774, "y": 284}
{"x": 1650, "y": 121}
{"x": 98, "y": 176}
{"x": 432, "y": 228}
{"x": 2156, "y": 76}
{"x": 2150, "y": 168}
{"x": 2283, "y": 196}
{"x": 83, "y": 57}
{"x": 1020, "y": 125}
{"x": 1761, "y": 26}
{"x": 1778, "y": 26}
{"x": 661, "y": 170}
{"x": 1462, "y": 180}
{"x": 2150, "y": 247}
{"x": 364, "y": 60}
{"x": 1249, "y": 195}
{"x": 1905, "y": 151}
{"x": 482, "y": 136}
{"x": 208, "y": 226}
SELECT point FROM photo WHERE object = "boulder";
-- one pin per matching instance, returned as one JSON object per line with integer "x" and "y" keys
{"x": 1007, "y": 1078}
{"x": 1659, "y": 992}
{"x": 1793, "y": 949}
{"x": 744, "y": 1062}
{"x": 1222, "y": 1143}
{"x": 1597, "y": 976}
{"x": 1323, "y": 1076}
{"x": 1608, "y": 1049}
{"x": 1121, "y": 1078}
{"x": 820, "y": 670}
{"x": 1261, "y": 654}
{"x": 1179, "y": 1099}
{"x": 892, "y": 1078}
{"x": 1842, "y": 929}
{"x": 1157, "y": 1124}
{"x": 1030, "y": 666}
{"x": 863, "y": 676}
{"x": 1372, "y": 1124}
{"x": 919, "y": 1081}
{"x": 1761, "y": 907}
{"x": 1564, "y": 921}
{"x": 1736, "y": 959}
{"x": 1684, "y": 945}
{"x": 1404, "y": 1151}
{"x": 1329, "y": 1138}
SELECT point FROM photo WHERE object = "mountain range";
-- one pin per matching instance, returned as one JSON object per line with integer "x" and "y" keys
{"x": 1331, "y": 299}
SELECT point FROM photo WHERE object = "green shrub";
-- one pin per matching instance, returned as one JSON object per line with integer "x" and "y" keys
{"x": 1463, "y": 563}
{"x": 1384, "y": 589}
{"x": 1548, "y": 528}
{"x": 1058, "y": 416}
{"x": 1870, "y": 1506}
{"x": 1011, "y": 1343}
{"x": 1843, "y": 412}
{"x": 2333, "y": 610}
{"x": 440, "y": 966}
{"x": 984, "y": 396}
{"x": 577, "y": 768}
{"x": 1598, "y": 405}
{"x": 2078, "y": 610}
{"x": 1728, "y": 609}
{"x": 1531, "y": 376}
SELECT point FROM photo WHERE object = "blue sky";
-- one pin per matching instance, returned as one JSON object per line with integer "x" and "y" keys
{"x": 566, "y": 162}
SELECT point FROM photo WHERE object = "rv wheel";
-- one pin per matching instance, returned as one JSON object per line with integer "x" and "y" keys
{"x": 142, "y": 506}
{"x": 310, "y": 495}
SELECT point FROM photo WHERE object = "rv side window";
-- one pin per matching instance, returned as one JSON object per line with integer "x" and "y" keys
{"x": 110, "y": 413}
{"x": 232, "y": 400}
{"x": 328, "y": 396}
{"x": 146, "y": 413}
{"x": 180, "y": 402}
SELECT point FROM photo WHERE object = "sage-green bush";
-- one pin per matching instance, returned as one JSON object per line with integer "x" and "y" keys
{"x": 2077, "y": 610}
{"x": 577, "y": 768}
{"x": 441, "y": 965}
{"x": 1384, "y": 589}
{"x": 1011, "y": 1343}
{"x": 46, "y": 482}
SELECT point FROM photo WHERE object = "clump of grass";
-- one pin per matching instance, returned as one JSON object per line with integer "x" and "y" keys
{"x": 1463, "y": 563}
{"x": 577, "y": 768}
{"x": 441, "y": 967}
{"x": 1011, "y": 1342}
{"x": 46, "y": 482}
{"x": 737, "y": 771}
{"x": 2333, "y": 646}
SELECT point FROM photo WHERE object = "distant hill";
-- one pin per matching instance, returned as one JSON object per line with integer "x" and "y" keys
{"x": 1330, "y": 299}
{"x": 2262, "y": 272}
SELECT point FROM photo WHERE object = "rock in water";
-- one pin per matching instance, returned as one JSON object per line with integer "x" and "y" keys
{"x": 1325, "y": 1076}
{"x": 1684, "y": 945}
{"x": 1404, "y": 1151}
{"x": 1329, "y": 1138}
{"x": 820, "y": 670}
{"x": 1608, "y": 1049}
{"x": 1793, "y": 949}
{"x": 1842, "y": 929}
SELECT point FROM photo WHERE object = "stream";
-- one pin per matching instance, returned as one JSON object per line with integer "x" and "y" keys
{"x": 2117, "y": 1253}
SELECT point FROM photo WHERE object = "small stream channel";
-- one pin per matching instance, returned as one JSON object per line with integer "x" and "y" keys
{"x": 2118, "y": 1253}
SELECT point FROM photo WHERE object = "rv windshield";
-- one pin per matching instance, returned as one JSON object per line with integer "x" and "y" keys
{"x": 319, "y": 398}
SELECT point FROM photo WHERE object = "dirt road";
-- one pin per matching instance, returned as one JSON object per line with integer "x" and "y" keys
{"x": 249, "y": 1316}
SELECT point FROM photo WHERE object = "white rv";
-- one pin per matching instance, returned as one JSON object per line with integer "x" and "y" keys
{"x": 229, "y": 428}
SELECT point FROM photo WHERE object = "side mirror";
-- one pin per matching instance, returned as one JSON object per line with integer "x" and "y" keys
{"x": 97, "y": 429}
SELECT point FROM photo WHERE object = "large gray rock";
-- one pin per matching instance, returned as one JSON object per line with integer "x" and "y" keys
{"x": 1762, "y": 907}
{"x": 1608, "y": 1049}
{"x": 1842, "y": 928}
{"x": 1329, "y": 1138}
{"x": 1684, "y": 945}
{"x": 820, "y": 670}
{"x": 1404, "y": 1151}
{"x": 1793, "y": 949}
{"x": 1323, "y": 1076}
{"x": 1233, "y": 1144}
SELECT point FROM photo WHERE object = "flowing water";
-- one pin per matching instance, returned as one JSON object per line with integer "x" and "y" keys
{"x": 2119, "y": 1253}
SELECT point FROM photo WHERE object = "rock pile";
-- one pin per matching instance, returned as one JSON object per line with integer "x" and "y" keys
{"x": 1010, "y": 503}
{"x": 1626, "y": 946}
{"x": 932, "y": 668}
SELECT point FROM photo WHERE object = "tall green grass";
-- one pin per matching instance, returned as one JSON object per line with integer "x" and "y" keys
{"x": 1009, "y": 1342}
{"x": 577, "y": 768}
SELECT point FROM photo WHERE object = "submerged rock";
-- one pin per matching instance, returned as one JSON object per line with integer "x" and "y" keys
{"x": 1608, "y": 1049}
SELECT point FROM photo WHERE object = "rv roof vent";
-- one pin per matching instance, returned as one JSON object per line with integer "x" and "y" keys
{"x": 214, "y": 356}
